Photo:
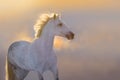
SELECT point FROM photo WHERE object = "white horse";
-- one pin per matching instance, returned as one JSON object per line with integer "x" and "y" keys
{"x": 38, "y": 55}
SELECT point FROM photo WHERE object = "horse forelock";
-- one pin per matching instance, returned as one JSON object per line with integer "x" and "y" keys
{"x": 42, "y": 21}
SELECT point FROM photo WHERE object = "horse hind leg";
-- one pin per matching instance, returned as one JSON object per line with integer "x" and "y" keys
{"x": 20, "y": 73}
{"x": 15, "y": 73}
{"x": 9, "y": 71}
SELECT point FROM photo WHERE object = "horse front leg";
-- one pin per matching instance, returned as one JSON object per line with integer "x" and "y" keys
{"x": 40, "y": 76}
{"x": 55, "y": 72}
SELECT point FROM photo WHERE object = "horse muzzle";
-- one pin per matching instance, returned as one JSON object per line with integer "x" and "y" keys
{"x": 70, "y": 35}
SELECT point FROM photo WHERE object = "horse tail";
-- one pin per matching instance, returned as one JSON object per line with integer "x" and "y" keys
{"x": 9, "y": 71}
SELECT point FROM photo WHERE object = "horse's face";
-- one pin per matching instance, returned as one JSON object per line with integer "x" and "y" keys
{"x": 61, "y": 29}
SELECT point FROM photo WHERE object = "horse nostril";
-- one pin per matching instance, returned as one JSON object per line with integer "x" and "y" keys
{"x": 71, "y": 34}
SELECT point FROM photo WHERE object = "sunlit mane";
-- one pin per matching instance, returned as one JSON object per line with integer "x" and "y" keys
{"x": 41, "y": 22}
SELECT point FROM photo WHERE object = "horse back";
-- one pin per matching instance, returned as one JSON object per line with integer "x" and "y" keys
{"x": 18, "y": 44}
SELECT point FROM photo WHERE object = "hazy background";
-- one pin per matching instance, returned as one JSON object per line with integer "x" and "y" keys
{"x": 94, "y": 54}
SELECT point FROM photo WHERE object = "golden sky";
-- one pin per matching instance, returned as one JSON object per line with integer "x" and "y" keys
{"x": 11, "y": 9}
{"x": 17, "y": 8}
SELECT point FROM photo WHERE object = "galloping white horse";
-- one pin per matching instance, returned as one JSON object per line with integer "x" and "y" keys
{"x": 38, "y": 55}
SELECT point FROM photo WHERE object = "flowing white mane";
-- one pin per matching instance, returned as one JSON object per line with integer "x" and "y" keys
{"x": 41, "y": 22}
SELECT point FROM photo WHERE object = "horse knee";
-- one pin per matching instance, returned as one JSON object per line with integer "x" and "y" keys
{"x": 57, "y": 78}
{"x": 40, "y": 76}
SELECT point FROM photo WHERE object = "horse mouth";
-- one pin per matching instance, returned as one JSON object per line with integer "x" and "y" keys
{"x": 70, "y": 36}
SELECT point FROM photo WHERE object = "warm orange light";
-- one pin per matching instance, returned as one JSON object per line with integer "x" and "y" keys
{"x": 77, "y": 4}
{"x": 23, "y": 36}
{"x": 9, "y": 9}
{"x": 62, "y": 43}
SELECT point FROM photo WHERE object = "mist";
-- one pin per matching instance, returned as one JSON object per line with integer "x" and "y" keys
{"x": 94, "y": 54}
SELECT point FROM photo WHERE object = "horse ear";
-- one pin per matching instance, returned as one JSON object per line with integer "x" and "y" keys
{"x": 54, "y": 15}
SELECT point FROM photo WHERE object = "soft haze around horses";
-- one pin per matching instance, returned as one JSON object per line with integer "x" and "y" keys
{"x": 38, "y": 55}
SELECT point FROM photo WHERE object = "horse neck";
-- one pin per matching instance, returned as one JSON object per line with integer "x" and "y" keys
{"x": 46, "y": 39}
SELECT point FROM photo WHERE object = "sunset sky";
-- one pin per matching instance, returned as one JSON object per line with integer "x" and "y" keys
{"x": 94, "y": 54}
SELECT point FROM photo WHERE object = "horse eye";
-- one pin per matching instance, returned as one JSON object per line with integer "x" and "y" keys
{"x": 60, "y": 24}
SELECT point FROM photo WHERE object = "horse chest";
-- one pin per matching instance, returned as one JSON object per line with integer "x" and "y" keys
{"x": 45, "y": 61}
